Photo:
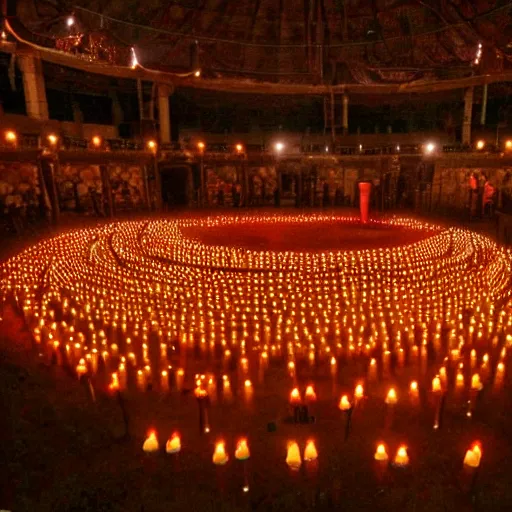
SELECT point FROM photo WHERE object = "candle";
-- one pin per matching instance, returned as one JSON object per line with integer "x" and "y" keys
{"x": 219, "y": 455}
{"x": 81, "y": 368}
{"x": 401, "y": 457}
{"x": 436, "y": 384}
{"x": 344, "y": 404}
{"x": 293, "y": 456}
{"x": 310, "y": 453}
{"x": 242, "y": 450}
{"x": 359, "y": 393}
{"x": 476, "y": 383}
{"x": 173, "y": 444}
{"x": 295, "y": 397}
{"x": 310, "y": 394}
{"x": 473, "y": 456}
{"x": 380, "y": 453}
{"x": 413, "y": 388}
{"x": 151, "y": 443}
{"x": 391, "y": 397}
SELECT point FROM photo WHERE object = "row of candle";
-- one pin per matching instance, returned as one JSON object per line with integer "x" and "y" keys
{"x": 293, "y": 454}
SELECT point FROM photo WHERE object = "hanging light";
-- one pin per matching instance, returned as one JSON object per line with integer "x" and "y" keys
{"x": 279, "y": 146}
{"x": 70, "y": 21}
{"x": 197, "y": 73}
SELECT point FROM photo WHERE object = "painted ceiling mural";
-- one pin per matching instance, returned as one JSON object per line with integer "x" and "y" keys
{"x": 329, "y": 41}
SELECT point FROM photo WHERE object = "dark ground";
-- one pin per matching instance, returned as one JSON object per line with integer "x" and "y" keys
{"x": 63, "y": 452}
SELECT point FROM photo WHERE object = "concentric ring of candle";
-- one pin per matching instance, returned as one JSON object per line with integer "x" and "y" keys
{"x": 146, "y": 277}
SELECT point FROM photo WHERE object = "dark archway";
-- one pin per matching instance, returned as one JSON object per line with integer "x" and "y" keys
{"x": 174, "y": 186}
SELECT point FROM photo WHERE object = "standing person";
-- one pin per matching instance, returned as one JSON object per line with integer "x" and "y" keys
{"x": 473, "y": 195}
{"x": 488, "y": 197}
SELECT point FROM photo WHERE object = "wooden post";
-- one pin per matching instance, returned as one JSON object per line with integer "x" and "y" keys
{"x": 344, "y": 119}
{"x": 33, "y": 86}
{"x": 107, "y": 188}
{"x": 164, "y": 115}
{"x": 483, "y": 113}
{"x": 468, "y": 110}
{"x": 333, "y": 127}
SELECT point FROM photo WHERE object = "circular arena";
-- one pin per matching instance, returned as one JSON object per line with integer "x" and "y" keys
{"x": 275, "y": 326}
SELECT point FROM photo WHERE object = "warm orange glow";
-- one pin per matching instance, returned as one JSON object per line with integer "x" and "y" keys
{"x": 151, "y": 145}
{"x": 151, "y": 443}
{"x": 52, "y": 139}
{"x": 114, "y": 383}
{"x": 242, "y": 450}
{"x": 413, "y": 388}
{"x": 480, "y": 144}
{"x": 344, "y": 404}
{"x": 310, "y": 453}
{"x": 436, "y": 384}
{"x": 197, "y": 73}
{"x": 239, "y": 148}
{"x": 293, "y": 457}
{"x": 310, "y": 394}
{"x": 295, "y": 396}
{"x": 96, "y": 141}
{"x": 11, "y": 136}
{"x": 359, "y": 392}
{"x": 381, "y": 454}
{"x": 476, "y": 383}
{"x": 508, "y": 144}
{"x": 173, "y": 444}
{"x": 219, "y": 455}
{"x": 200, "y": 146}
{"x": 391, "y": 398}
{"x": 473, "y": 456}
{"x": 401, "y": 457}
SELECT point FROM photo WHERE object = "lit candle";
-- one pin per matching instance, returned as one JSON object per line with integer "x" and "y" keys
{"x": 344, "y": 403}
{"x": 151, "y": 443}
{"x": 295, "y": 397}
{"x": 380, "y": 453}
{"x": 242, "y": 450}
{"x": 473, "y": 456}
{"x": 436, "y": 384}
{"x": 401, "y": 457}
{"x": 391, "y": 397}
{"x": 219, "y": 455}
{"x": 293, "y": 457}
{"x": 358, "y": 393}
{"x": 310, "y": 394}
{"x": 476, "y": 383}
{"x": 310, "y": 453}
{"x": 173, "y": 444}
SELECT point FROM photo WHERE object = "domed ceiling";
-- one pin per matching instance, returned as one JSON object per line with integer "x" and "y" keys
{"x": 304, "y": 41}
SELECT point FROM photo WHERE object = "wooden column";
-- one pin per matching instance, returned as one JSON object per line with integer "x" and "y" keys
{"x": 245, "y": 173}
{"x": 468, "y": 111}
{"x": 34, "y": 86}
{"x": 107, "y": 188}
{"x": 344, "y": 118}
{"x": 483, "y": 113}
{"x": 164, "y": 115}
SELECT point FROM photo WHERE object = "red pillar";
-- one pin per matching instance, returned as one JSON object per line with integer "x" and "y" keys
{"x": 365, "y": 188}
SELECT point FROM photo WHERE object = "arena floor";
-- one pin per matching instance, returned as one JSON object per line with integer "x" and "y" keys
{"x": 146, "y": 315}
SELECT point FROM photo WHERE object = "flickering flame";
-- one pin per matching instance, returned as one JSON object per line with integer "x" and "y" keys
{"x": 242, "y": 450}
{"x": 473, "y": 456}
{"x": 401, "y": 458}
{"x": 476, "y": 383}
{"x": 391, "y": 398}
{"x": 436, "y": 384}
{"x": 151, "y": 443}
{"x": 295, "y": 396}
{"x": 359, "y": 392}
{"x": 219, "y": 456}
{"x": 310, "y": 394}
{"x": 413, "y": 388}
{"x": 173, "y": 444}
{"x": 310, "y": 453}
{"x": 293, "y": 457}
{"x": 344, "y": 404}
{"x": 380, "y": 453}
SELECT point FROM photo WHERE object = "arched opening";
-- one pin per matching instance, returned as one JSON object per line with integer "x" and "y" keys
{"x": 174, "y": 186}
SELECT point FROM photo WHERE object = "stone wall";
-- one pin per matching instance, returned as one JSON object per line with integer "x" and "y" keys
{"x": 19, "y": 185}
{"x": 451, "y": 189}
{"x": 80, "y": 187}
{"x": 128, "y": 188}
